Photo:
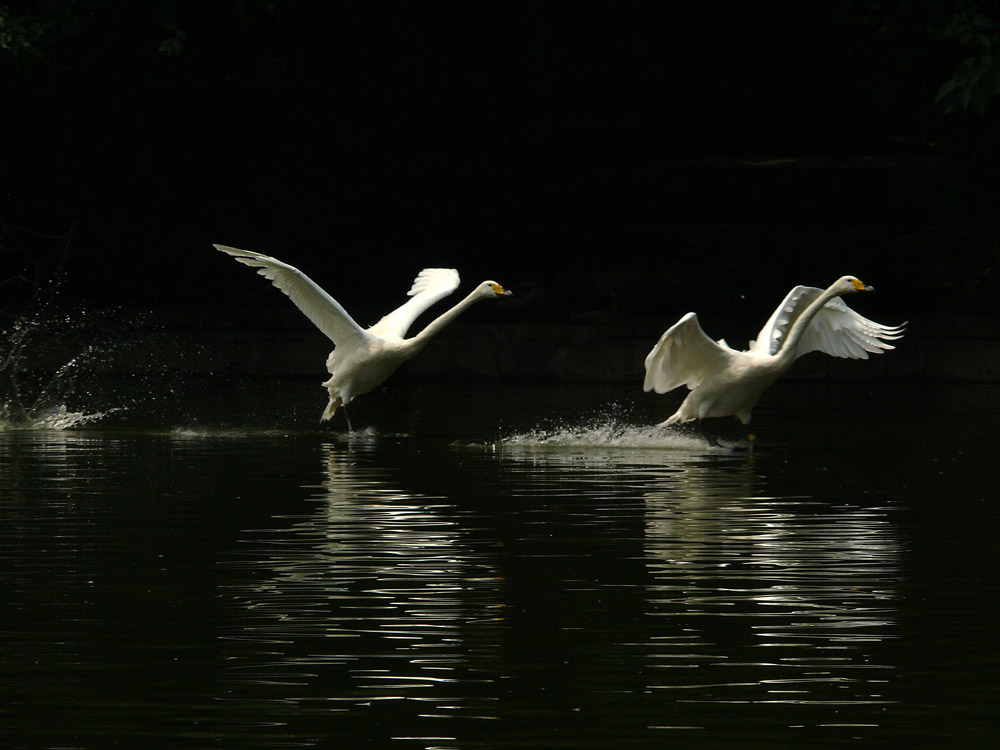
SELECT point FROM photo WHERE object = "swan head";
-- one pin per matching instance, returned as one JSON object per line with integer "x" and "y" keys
{"x": 850, "y": 285}
{"x": 491, "y": 289}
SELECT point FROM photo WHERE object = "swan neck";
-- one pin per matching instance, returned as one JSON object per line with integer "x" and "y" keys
{"x": 787, "y": 350}
{"x": 435, "y": 326}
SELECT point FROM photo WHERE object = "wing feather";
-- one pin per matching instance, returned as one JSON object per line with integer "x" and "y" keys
{"x": 836, "y": 329}
{"x": 839, "y": 331}
{"x": 684, "y": 355}
{"x": 775, "y": 330}
{"x": 431, "y": 286}
{"x": 323, "y": 310}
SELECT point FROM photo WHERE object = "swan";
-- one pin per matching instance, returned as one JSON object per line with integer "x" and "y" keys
{"x": 363, "y": 358}
{"x": 726, "y": 382}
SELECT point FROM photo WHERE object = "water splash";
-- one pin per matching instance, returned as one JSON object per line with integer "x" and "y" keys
{"x": 196, "y": 433}
{"x": 614, "y": 428}
{"x": 604, "y": 435}
{"x": 36, "y": 381}
{"x": 59, "y": 418}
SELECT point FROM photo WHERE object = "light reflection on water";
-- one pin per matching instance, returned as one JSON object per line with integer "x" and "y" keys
{"x": 584, "y": 587}
{"x": 813, "y": 588}
{"x": 809, "y": 587}
{"x": 377, "y": 595}
{"x": 724, "y": 595}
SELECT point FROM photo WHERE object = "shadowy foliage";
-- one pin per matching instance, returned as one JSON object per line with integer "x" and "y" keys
{"x": 531, "y": 138}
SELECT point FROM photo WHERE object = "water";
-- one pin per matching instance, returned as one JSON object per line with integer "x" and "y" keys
{"x": 502, "y": 567}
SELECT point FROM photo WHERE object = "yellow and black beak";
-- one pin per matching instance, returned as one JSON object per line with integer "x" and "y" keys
{"x": 500, "y": 291}
{"x": 861, "y": 286}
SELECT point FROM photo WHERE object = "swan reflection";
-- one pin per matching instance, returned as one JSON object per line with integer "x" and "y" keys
{"x": 779, "y": 597}
{"x": 377, "y": 594}
{"x": 656, "y": 577}
{"x": 752, "y": 593}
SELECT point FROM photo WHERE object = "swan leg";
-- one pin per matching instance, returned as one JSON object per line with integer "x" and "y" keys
{"x": 711, "y": 439}
{"x": 344, "y": 409}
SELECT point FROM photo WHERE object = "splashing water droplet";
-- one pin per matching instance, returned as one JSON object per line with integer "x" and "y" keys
{"x": 34, "y": 386}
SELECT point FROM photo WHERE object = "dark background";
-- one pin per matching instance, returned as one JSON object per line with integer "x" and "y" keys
{"x": 626, "y": 158}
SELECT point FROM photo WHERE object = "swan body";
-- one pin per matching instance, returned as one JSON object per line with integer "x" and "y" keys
{"x": 726, "y": 382}
{"x": 363, "y": 358}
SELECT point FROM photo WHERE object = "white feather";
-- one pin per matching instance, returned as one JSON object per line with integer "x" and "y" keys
{"x": 363, "y": 358}
{"x": 727, "y": 382}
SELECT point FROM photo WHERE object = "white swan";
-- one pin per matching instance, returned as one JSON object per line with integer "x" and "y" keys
{"x": 362, "y": 358}
{"x": 726, "y": 382}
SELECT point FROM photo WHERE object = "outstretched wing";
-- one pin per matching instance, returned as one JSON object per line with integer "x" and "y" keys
{"x": 322, "y": 309}
{"x": 684, "y": 355}
{"x": 835, "y": 330}
{"x": 775, "y": 330}
{"x": 840, "y": 332}
{"x": 431, "y": 286}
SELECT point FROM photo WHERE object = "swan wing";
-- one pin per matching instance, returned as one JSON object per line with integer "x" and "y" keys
{"x": 840, "y": 332}
{"x": 835, "y": 330}
{"x": 775, "y": 330}
{"x": 323, "y": 310}
{"x": 684, "y": 355}
{"x": 431, "y": 286}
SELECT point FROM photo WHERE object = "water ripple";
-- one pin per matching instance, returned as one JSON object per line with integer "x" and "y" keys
{"x": 385, "y": 572}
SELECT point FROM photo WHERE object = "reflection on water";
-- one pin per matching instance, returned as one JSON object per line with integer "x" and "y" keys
{"x": 584, "y": 586}
{"x": 749, "y": 598}
{"x": 628, "y": 585}
{"x": 812, "y": 587}
{"x": 377, "y": 594}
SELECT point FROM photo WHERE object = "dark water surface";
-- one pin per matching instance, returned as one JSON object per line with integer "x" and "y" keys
{"x": 517, "y": 567}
